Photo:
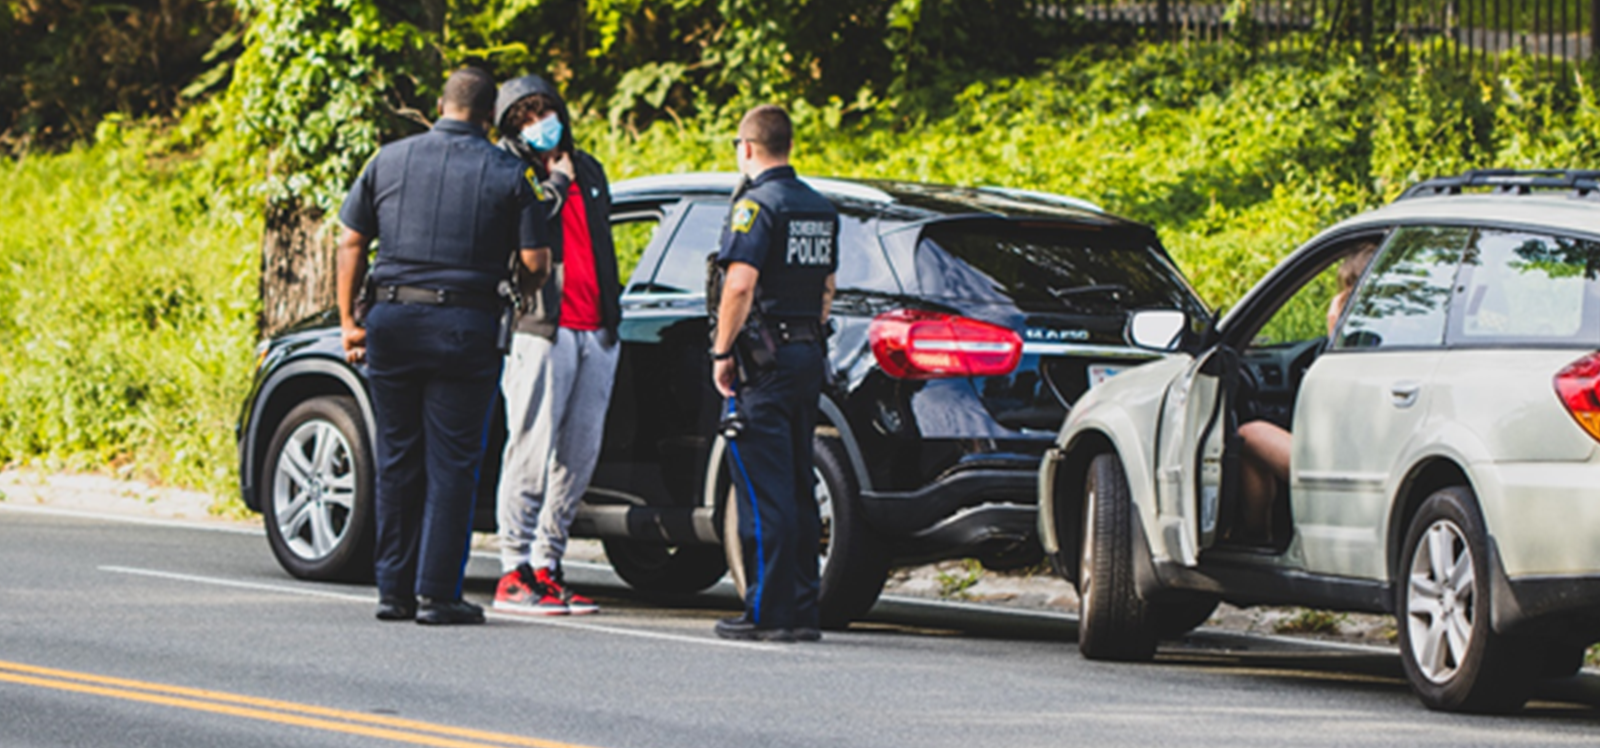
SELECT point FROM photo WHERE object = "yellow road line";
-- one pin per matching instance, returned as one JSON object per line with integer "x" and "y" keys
{"x": 269, "y": 710}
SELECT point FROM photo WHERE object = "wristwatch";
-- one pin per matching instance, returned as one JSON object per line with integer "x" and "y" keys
{"x": 723, "y": 356}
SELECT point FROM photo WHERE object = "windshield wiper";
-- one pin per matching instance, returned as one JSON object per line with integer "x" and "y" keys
{"x": 1110, "y": 289}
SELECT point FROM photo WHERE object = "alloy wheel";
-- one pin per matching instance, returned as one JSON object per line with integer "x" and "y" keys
{"x": 313, "y": 489}
{"x": 1440, "y": 602}
{"x": 824, "y": 496}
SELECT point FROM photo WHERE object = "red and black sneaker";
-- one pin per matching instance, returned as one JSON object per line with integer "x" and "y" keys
{"x": 520, "y": 591}
{"x": 576, "y": 604}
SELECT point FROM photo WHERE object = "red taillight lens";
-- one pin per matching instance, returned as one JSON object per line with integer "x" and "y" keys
{"x": 928, "y": 345}
{"x": 1576, "y": 385}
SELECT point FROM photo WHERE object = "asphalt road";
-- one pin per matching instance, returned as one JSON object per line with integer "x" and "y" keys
{"x": 115, "y": 633}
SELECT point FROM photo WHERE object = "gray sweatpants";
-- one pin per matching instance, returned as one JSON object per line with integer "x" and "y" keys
{"x": 556, "y": 399}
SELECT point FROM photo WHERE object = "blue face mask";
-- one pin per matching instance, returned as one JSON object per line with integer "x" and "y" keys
{"x": 543, "y": 135}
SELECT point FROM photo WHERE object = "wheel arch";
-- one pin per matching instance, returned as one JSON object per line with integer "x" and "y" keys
{"x": 1422, "y": 481}
{"x": 285, "y": 388}
{"x": 1061, "y": 515}
{"x": 829, "y": 417}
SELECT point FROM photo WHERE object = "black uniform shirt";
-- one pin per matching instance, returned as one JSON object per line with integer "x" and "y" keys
{"x": 789, "y": 233}
{"x": 449, "y": 210}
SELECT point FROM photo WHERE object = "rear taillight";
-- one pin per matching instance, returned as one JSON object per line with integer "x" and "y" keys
{"x": 928, "y": 345}
{"x": 1578, "y": 386}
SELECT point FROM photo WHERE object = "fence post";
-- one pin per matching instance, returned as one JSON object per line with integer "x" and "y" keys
{"x": 1594, "y": 29}
{"x": 1365, "y": 26}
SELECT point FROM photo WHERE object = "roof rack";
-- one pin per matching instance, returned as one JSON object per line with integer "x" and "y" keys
{"x": 1583, "y": 183}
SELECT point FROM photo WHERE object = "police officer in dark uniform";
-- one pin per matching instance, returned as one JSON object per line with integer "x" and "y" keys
{"x": 450, "y": 211}
{"x": 779, "y": 254}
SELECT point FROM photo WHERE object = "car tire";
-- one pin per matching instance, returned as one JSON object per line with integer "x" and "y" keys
{"x": 1451, "y": 654}
{"x": 317, "y": 491}
{"x": 1114, "y": 623}
{"x": 655, "y": 567}
{"x": 1176, "y": 618}
{"x": 854, "y": 561}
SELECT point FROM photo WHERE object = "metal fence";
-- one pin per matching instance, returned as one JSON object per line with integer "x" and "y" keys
{"x": 1471, "y": 32}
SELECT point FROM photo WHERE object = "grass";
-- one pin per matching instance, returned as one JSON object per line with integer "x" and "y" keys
{"x": 1307, "y": 621}
{"x": 128, "y": 267}
{"x": 127, "y": 304}
{"x": 954, "y": 583}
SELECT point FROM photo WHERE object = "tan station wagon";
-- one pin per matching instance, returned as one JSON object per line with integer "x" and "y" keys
{"x": 1424, "y": 443}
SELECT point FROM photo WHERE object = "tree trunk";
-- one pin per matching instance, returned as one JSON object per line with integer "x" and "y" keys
{"x": 297, "y": 268}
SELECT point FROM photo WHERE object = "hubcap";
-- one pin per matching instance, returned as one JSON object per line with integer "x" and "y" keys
{"x": 313, "y": 490}
{"x": 825, "y": 511}
{"x": 1440, "y": 601}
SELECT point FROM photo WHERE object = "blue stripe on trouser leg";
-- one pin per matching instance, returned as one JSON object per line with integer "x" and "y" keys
{"x": 755, "y": 516}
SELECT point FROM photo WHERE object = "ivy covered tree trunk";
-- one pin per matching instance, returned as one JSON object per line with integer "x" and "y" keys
{"x": 297, "y": 267}
{"x": 320, "y": 84}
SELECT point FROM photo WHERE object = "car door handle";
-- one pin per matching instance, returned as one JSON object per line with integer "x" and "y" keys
{"x": 1405, "y": 393}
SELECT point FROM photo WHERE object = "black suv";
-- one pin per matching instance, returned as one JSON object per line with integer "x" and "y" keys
{"x": 966, "y": 324}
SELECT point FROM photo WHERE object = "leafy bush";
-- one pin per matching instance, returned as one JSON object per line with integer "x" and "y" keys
{"x": 127, "y": 302}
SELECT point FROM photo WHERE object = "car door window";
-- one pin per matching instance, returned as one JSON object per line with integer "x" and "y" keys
{"x": 1520, "y": 287}
{"x": 683, "y": 267}
{"x": 631, "y": 233}
{"x": 1406, "y": 297}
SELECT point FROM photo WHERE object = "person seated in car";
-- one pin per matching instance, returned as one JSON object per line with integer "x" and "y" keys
{"x": 1267, "y": 444}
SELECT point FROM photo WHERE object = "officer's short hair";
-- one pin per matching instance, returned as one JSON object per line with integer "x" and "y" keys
{"x": 768, "y": 126}
{"x": 471, "y": 89}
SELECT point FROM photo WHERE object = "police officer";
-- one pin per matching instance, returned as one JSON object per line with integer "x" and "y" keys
{"x": 450, "y": 211}
{"x": 779, "y": 255}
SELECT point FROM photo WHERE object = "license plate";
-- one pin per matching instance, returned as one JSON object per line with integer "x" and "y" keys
{"x": 1099, "y": 373}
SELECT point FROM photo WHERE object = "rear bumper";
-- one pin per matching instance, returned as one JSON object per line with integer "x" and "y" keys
{"x": 1533, "y": 602}
{"x": 987, "y": 512}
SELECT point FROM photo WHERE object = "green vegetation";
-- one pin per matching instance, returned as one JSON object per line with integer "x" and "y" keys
{"x": 128, "y": 302}
{"x": 954, "y": 583}
{"x": 1307, "y": 621}
{"x": 128, "y": 296}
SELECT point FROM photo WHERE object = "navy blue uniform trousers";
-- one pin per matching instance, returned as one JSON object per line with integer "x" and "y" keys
{"x": 434, "y": 373}
{"x": 779, "y": 527}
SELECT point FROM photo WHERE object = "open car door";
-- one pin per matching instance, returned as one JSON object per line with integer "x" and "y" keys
{"x": 1197, "y": 431}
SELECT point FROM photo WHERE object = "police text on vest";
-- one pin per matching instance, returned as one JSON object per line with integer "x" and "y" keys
{"x": 810, "y": 243}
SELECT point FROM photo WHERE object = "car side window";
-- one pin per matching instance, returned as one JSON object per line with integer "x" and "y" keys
{"x": 1520, "y": 287}
{"x": 631, "y": 233}
{"x": 1405, "y": 298}
{"x": 683, "y": 267}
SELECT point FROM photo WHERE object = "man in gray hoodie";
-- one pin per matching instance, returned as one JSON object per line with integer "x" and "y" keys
{"x": 563, "y": 359}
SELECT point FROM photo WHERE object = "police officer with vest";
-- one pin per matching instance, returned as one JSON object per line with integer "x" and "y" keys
{"x": 778, "y": 254}
{"x": 450, "y": 212}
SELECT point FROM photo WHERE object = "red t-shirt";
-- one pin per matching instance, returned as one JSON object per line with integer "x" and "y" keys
{"x": 580, "y": 289}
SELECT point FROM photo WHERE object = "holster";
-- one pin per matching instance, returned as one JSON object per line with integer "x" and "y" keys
{"x": 365, "y": 298}
{"x": 757, "y": 347}
{"x": 508, "y": 314}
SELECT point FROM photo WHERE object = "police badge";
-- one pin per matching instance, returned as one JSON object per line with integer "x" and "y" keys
{"x": 744, "y": 215}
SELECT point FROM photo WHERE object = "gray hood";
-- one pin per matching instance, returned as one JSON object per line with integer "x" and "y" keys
{"x": 515, "y": 90}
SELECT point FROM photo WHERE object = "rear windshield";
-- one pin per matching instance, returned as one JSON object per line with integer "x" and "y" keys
{"x": 1043, "y": 267}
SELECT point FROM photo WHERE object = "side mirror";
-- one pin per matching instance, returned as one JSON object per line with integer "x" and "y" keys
{"x": 1156, "y": 329}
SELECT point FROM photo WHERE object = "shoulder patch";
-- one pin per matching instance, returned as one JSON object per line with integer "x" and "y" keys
{"x": 533, "y": 181}
{"x": 744, "y": 215}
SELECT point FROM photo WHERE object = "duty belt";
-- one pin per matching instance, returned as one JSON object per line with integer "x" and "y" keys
{"x": 436, "y": 297}
{"x": 795, "y": 329}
